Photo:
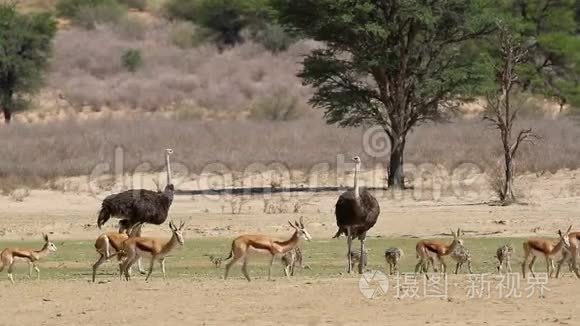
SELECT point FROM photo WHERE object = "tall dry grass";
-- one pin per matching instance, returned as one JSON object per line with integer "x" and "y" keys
{"x": 32, "y": 154}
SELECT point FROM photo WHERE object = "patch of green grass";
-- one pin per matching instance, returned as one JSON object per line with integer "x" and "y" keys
{"x": 326, "y": 258}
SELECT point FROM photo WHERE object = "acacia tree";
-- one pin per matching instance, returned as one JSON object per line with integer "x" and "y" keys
{"x": 549, "y": 30}
{"x": 391, "y": 63}
{"x": 500, "y": 111}
{"x": 25, "y": 47}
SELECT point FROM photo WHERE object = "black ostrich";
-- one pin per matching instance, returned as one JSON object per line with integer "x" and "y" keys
{"x": 138, "y": 206}
{"x": 356, "y": 213}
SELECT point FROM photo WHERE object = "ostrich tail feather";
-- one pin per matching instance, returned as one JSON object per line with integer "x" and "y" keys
{"x": 104, "y": 216}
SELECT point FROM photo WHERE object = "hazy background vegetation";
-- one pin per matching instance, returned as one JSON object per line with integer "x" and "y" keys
{"x": 216, "y": 97}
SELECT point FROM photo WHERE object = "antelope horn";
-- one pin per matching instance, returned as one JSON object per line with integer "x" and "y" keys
{"x": 292, "y": 225}
{"x": 181, "y": 225}
{"x": 302, "y": 222}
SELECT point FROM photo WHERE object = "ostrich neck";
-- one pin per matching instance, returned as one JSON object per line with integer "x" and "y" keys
{"x": 356, "y": 189}
{"x": 289, "y": 244}
{"x": 168, "y": 166}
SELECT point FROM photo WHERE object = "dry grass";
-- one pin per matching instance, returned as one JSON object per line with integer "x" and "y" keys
{"x": 32, "y": 154}
{"x": 87, "y": 70}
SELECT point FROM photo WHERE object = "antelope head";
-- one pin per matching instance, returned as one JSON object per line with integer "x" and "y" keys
{"x": 300, "y": 229}
{"x": 48, "y": 243}
{"x": 177, "y": 232}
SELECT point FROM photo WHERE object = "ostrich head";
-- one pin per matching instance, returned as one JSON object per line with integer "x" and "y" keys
{"x": 356, "y": 160}
{"x": 300, "y": 229}
{"x": 177, "y": 232}
{"x": 48, "y": 244}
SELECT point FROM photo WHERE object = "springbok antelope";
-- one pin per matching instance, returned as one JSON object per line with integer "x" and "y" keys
{"x": 133, "y": 248}
{"x": 264, "y": 244}
{"x": 571, "y": 254}
{"x": 504, "y": 257}
{"x": 431, "y": 250}
{"x": 109, "y": 244}
{"x": 9, "y": 256}
{"x": 393, "y": 256}
{"x": 566, "y": 257}
{"x": 547, "y": 249}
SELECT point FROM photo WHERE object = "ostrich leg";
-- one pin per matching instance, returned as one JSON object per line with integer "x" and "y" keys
{"x": 362, "y": 260}
{"x": 348, "y": 257}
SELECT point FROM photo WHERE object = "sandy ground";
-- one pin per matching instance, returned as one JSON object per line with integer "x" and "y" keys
{"x": 298, "y": 302}
{"x": 551, "y": 203}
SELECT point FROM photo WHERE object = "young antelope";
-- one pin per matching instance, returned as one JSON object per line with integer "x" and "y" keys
{"x": 393, "y": 256}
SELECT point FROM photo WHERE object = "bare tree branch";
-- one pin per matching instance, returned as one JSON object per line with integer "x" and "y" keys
{"x": 525, "y": 135}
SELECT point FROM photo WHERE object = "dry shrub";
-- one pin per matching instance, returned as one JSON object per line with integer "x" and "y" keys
{"x": 32, "y": 154}
{"x": 131, "y": 28}
{"x": 18, "y": 195}
{"x": 87, "y": 71}
{"x": 495, "y": 179}
{"x": 279, "y": 106}
{"x": 73, "y": 148}
{"x": 185, "y": 35}
{"x": 90, "y": 13}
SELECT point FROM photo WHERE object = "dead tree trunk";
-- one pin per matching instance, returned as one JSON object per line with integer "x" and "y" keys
{"x": 502, "y": 115}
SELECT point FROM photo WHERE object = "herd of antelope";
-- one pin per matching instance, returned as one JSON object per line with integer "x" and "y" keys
{"x": 129, "y": 247}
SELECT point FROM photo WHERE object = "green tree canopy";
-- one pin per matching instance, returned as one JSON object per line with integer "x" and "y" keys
{"x": 550, "y": 32}
{"x": 25, "y": 47}
{"x": 393, "y": 63}
{"x": 226, "y": 18}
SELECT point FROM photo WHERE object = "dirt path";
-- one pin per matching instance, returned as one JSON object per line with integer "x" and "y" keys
{"x": 298, "y": 301}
